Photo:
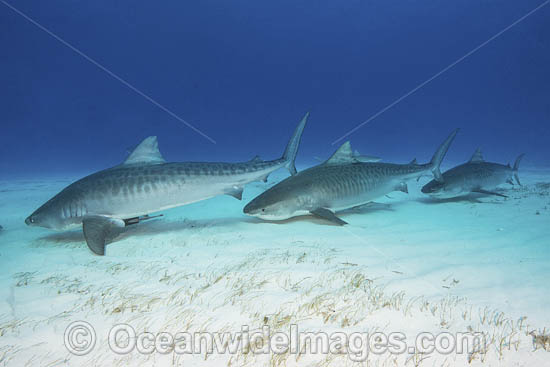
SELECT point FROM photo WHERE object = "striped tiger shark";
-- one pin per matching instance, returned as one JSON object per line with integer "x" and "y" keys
{"x": 145, "y": 183}
{"x": 474, "y": 176}
{"x": 340, "y": 183}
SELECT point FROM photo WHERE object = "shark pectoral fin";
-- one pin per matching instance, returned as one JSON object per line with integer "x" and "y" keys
{"x": 236, "y": 192}
{"x": 328, "y": 215}
{"x": 481, "y": 191}
{"x": 96, "y": 228}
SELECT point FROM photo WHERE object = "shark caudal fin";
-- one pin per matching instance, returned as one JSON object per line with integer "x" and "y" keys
{"x": 516, "y": 167}
{"x": 440, "y": 154}
{"x": 289, "y": 155}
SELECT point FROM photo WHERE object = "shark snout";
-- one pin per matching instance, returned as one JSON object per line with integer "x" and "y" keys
{"x": 432, "y": 188}
{"x": 426, "y": 190}
{"x": 41, "y": 219}
{"x": 33, "y": 220}
{"x": 29, "y": 221}
{"x": 251, "y": 208}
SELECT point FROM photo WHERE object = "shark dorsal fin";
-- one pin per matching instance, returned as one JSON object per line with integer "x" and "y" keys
{"x": 414, "y": 161}
{"x": 477, "y": 157}
{"x": 147, "y": 152}
{"x": 344, "y": 154}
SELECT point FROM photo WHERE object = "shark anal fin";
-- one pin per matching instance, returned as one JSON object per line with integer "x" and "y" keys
{"x": 236, "y": 192}
{"x": 486, "y": 192}
{"x": 96, "y": 229}
{"x": 402, "y": 187}
{"x": 328, "y": 215}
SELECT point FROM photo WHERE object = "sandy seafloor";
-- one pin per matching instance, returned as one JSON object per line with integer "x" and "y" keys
{"x": 410, "y": 264}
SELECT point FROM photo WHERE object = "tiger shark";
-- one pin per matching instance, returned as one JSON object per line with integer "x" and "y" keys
{"x": 340, "y": 183}
{"x": 145, "y": 183}
{"x": 476, "y": 175}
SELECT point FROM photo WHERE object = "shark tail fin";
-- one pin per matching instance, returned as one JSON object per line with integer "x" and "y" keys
{"x": 289, "y": 155}
{"x": 437, "y": 158}
{"x": 516, "y": 167}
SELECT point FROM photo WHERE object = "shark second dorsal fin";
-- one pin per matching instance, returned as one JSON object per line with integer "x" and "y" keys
{"x": 147, "y": 152}
{"x": 256, "y": 159}
{"x": 477, "y": 157}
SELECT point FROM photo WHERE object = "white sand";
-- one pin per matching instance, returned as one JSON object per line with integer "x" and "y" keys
{"x": 415, "y": 266}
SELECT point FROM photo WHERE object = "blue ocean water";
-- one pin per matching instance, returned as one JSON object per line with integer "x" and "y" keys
{"x": 244, "y": 73}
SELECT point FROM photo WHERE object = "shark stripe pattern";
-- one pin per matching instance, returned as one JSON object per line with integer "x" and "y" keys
{"x": 145, "y": 183}
{"x": 474, "y": 176}
{"x": 342, "y": 182}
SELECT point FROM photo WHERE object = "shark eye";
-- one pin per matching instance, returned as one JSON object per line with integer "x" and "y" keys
{"x": 263, "y": 209}
{"x": 32, "y": 220}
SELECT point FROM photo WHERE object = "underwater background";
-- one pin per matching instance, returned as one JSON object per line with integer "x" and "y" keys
{"x": 245, "y": 71}
{"x": 82, "y": 83}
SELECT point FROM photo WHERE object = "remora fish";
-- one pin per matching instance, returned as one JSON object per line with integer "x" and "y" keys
{"x": 145, "y": 183}
{"x": 340, "y": 183}
{"x": 358, "y": 157}
{"x": 476, "y": 175}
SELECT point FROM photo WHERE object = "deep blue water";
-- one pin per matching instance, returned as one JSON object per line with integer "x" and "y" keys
{"x": 244, "y": 73}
